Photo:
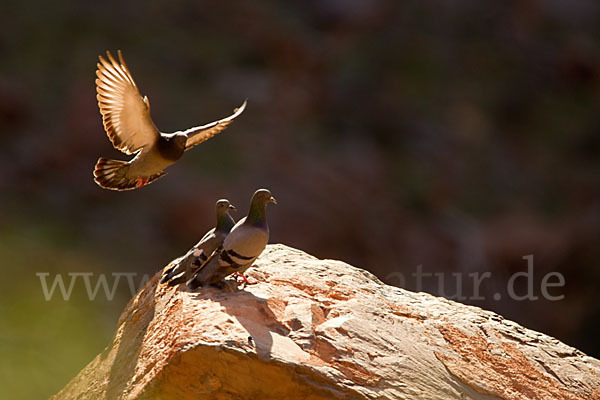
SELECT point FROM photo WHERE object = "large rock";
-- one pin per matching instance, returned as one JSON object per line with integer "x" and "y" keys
{"x": 322, "y": 329}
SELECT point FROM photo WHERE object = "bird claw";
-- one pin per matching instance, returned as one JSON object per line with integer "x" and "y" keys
{"x": 244, "y": 279}
{"x": 141, "y": 181}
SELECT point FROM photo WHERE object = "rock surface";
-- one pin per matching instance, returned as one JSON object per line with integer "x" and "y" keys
{"x": 322, "y": 329}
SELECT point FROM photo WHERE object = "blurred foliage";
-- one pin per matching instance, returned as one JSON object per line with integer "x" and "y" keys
{"x": 460, "y": 136}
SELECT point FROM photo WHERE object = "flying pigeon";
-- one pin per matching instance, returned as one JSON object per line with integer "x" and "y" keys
{"x": 241, "y": 247}
{"x": 127, "y": 122}
{"x": 198, "y": 254}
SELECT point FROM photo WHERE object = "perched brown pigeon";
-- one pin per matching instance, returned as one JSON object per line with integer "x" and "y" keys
{"x": 127, "y": 121}
{"x": 241, "y": 247}
{"x": 182, "y": 271}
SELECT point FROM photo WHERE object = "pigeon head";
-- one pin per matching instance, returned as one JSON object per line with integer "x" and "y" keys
{"x": 224, "y": 221}
{"x": 179, "y": 141}
{"x": 172, "y": 147}
{"x": 262, "y": 197}
{"x": 259, "y": 202}
{"x": 223, "y": 206}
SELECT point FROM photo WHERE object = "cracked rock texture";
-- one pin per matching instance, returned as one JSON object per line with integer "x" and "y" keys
{"x": 322, "y": 329}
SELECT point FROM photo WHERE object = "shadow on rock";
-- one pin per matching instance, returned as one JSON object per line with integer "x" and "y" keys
{"x": 252, "y": 312}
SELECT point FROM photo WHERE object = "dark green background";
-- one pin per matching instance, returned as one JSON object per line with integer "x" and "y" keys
{"x": 460, "y": 136}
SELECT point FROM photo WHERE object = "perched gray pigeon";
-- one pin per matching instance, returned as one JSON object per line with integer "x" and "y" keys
{"x": 127, "y": 122}
{"x": 243, "y": 245}
{"x": 198, "y": 254}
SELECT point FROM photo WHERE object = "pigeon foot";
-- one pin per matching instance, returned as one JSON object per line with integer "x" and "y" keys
{"x": 141, "y": 181}
{"x": 244, "y": 279}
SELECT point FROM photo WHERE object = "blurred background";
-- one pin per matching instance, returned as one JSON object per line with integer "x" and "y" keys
{"x": 455, "y": 136}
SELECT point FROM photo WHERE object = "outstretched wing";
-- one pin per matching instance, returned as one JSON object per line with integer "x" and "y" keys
{"x": 199, "y": 134}
{"x": 125, "y": 114}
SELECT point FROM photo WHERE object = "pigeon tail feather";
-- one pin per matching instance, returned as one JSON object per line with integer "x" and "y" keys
{"x": 112, "y": 174}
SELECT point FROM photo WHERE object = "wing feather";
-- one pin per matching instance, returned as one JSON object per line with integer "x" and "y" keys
{"x": 199, "y": 134}
{"x": 125, "y": 114}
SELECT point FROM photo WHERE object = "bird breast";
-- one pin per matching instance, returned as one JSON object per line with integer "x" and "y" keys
{"x": 247, "y": 242}
{"x": 148, "y": 162}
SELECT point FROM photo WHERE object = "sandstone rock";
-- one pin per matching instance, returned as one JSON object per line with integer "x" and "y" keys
{"x": 322, "y": 329}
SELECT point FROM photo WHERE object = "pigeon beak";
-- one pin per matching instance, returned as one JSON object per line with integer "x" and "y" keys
{"x": 232, "y": 207}
{"x": 272, "y": 200}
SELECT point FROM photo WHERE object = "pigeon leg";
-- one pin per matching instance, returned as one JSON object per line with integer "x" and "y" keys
{"x": 244, "y": 279}
{"x": 141, "y": 181}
